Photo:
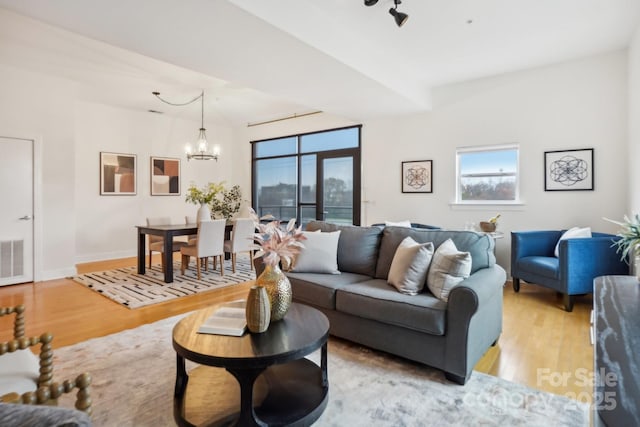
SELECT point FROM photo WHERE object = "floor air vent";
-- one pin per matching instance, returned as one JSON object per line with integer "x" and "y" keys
{"x": 11, "y": 258}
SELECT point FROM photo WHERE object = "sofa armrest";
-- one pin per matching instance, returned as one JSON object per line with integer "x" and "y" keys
{"x": 475, "y": 291}
{"x": 474, "y": 320}
{"x": 583, "y": 259}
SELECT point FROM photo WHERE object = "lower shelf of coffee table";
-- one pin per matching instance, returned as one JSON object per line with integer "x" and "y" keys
{"x": 286, "y": 394}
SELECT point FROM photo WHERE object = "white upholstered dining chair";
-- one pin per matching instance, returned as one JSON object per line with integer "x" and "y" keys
{"x": 209, "y": 243}
{"x": 191, "y": 238}
{"x": 156, "y": 243}
{"x": 241, "y": 240}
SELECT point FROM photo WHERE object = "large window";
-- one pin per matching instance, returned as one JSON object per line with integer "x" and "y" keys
{"x": 309, "y": 176}
{"x": 487, "y": 175}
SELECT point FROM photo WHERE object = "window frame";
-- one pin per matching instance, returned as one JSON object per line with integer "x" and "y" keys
{"x": 354, "y": 151}
{"x": 483, "y": 149}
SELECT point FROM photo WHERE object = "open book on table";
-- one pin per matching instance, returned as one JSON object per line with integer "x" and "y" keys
{"x": 227, "y": 319}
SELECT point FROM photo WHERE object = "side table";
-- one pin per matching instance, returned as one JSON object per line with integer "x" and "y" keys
{"x": 253, "y": 380}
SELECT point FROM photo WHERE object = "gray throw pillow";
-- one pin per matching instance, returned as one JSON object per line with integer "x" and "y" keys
{"x": 409, "y": 266}
{"x": 448, "y": 268}
{"x": 319, "y": 255}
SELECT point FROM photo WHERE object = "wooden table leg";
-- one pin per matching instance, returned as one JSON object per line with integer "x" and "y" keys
{"x": 246, "y": 378}
{"x": 141, "y": 252}
{"x": 168, "y": 257}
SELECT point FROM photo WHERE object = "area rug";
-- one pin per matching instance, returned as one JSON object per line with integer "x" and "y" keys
{"x": 134, "y": 372}
{"x": 125, "y": 286}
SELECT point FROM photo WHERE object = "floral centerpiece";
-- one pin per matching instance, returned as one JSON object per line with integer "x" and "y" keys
{"x": 203, "y": 195}
{"x": 220, "y": 202}
{"x": 275, "y": 244}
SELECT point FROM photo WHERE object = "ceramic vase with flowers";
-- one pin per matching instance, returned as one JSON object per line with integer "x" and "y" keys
{"x": 628, "y": 244}
{"x": 203, "y": 197}
{"x": 274, "y": 244}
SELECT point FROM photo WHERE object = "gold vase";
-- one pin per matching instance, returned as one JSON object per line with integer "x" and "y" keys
{"x": 278, "y": 288}
{"x": 258, "y": 309}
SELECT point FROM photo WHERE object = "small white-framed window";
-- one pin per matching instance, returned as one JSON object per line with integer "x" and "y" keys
{"x": 488, "y": 174}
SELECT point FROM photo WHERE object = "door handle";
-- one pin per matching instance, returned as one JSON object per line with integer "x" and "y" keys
{"x": 25, "y": 218}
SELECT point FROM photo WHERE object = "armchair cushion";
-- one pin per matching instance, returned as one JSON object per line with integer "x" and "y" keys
{"x": 542, "y": 265}
{"x": 19, "y": 372}
{"x": 572, "y": 233}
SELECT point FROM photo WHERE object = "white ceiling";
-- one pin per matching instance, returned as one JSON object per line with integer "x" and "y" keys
{"x": 260, "y": 60}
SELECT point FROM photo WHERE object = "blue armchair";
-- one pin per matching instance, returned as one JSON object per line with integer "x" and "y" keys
{"x": 572, "y": 273}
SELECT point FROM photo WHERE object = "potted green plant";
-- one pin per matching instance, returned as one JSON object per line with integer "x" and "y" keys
{"x": 628, "y": 243}
{"x": 226, "y": 203}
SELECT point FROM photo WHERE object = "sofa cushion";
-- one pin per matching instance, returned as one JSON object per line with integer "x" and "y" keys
{"x": 480, "y": 246}
{"x": 320, "y": 289}
{"x": 448, "y": 268}
{"x": 541, "y": 265}
{"x": 319, "y": 255}
{"x": 357, "y": 247}
{"x": 409, "y": 267}
{"x": 406, "y": 223}
{"x": 376, "y": 300}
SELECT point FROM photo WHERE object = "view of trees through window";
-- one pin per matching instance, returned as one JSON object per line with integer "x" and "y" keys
{"x": 488, "y": 174}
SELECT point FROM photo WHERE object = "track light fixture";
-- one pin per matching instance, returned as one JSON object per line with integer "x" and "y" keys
{"x": 399, "y": 17}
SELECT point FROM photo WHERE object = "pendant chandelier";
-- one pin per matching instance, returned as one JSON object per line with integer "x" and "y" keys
{"x": 202, "y": 150}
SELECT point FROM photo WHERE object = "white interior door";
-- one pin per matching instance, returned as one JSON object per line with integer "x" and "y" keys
{"x": 16, "y": 214}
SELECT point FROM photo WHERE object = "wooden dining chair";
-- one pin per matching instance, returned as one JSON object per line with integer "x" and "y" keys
{"x": 156, "y": 243}
{"x": 241, "y": 240}
{"x": 209, "y": 243}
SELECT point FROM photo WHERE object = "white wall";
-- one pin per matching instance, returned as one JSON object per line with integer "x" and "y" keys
{"x": 103, "y": 128}
{"x": 79, "y": 225}
{"x": 577, "y": 104}
{"x": 634, "y": 125}
{"x": 41, "y": 106}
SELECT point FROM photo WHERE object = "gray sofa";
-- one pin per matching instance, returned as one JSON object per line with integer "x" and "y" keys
{"x": 362, "y": 307}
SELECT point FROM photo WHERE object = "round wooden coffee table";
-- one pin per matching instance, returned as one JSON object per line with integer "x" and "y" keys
{"x": 253, "y": 380}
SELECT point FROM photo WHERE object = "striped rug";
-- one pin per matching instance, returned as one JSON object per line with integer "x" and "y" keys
{"x": 125, "y": 286}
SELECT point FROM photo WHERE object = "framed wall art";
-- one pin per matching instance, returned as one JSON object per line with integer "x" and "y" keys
{"x": 417, "y": 176}
{"x": 568, "y": 170}
{"x": 117, "y": 174}
{"x": 165, "y": 176}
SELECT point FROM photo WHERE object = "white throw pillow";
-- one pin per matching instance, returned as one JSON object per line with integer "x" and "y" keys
{"x": 448, "y": 268}
{"x": 572, "y": 233}
{"x": 319, "y": 255}
{"x": 409, "y": 266}
{"x": 406, "y": 224}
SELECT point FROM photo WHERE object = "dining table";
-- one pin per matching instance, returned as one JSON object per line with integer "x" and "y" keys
{"x": 167, "y": 232}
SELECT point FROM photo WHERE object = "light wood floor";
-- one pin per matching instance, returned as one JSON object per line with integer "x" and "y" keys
{"x": 539, "y": 345}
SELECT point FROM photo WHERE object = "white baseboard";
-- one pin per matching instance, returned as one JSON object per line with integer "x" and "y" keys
{"x": 106, "y": 256}
{"x": 60, "y": 273}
